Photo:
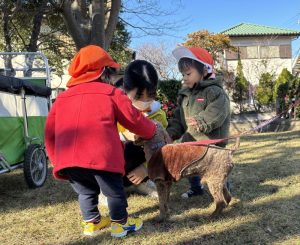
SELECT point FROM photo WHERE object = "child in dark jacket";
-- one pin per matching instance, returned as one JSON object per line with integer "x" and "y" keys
{"x": 204, "y": 107}
{"x": 83, "y": 144}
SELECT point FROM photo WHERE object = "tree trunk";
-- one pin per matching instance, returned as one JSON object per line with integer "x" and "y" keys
{"x": 8, "y": 47}
{"x": 36, "y": 29}
{"x": 73, "y": 26}
{"x": 98, "y": 32}
{"x": 115, "y": 6}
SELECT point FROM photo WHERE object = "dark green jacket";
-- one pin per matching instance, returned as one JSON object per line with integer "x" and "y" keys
{"x": 208, "y": 103}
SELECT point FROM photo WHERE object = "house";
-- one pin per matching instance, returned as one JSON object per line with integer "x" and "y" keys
{"x": 261, "y": 49}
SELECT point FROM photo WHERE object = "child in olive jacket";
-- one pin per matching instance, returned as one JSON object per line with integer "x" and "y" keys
{"x": 203, "y": 110}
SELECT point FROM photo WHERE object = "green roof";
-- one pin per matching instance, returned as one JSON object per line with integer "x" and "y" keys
{"x": 247, "y": 29}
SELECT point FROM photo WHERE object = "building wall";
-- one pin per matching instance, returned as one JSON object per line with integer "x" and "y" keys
{"x": 259, "y": 55}
{"x": 253, "y": 68}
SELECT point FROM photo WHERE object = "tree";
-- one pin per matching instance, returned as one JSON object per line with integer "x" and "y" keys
{"x": 119, "y": 46}
{"x": 33, "y": 26}
{"x": 240, "y": 88}
{"x": 215, "y": 43}
{"x": 264, "y": 90}
{"x": 90, "y": 22}
{"x": 162, "y": 59}
{"x": 94, "y": 21}
{"x": 281, "y": 88}
{"x": 23, "y": 29}
{"x": 72, "y": 24}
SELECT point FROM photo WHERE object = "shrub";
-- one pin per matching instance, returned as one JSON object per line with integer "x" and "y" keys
{"x": 281, "y": 89}
{"x": 167, "y": 95}
{"x": 264, "y": 90}
{"x": 240, "y": 87}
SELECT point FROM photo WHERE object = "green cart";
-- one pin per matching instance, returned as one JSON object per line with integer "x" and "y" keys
{"x": 24, "y": 106}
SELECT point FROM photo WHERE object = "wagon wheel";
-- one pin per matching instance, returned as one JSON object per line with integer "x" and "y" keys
{"x": 35, "y": 166}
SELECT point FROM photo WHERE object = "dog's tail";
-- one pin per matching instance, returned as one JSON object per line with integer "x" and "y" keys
{"x": 236, "y": 145}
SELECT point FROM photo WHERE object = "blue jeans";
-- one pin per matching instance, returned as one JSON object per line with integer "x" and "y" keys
{"x": 88, "y": 183}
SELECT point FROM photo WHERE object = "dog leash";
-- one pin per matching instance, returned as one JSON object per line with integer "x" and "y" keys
{"x": 246, "y": 132}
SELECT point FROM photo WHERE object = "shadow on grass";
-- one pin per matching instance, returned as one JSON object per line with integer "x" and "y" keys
{"x": 248, "y": 187}
{"x": 271, "y": 225}
{"x": 15, "y": 194}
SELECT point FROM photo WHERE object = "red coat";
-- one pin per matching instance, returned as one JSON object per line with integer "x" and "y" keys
{"x": 81, "y": 128}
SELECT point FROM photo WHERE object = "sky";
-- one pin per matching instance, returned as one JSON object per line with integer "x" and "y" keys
{"x": 219, "y": 15}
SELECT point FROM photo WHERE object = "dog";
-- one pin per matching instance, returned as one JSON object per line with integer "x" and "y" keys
{"x": 169, "y": 163}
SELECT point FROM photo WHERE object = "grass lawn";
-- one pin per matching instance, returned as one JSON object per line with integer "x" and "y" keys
{"x": 265, "y": 208}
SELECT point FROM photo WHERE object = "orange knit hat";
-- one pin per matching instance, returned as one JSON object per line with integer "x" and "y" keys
{"x": 195, "y": 53}
{"x": 88, "y": 65}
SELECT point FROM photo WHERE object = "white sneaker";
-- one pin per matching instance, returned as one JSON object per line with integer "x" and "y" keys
{"x": 147, "y": 188}
{"x": 102, "y": 200}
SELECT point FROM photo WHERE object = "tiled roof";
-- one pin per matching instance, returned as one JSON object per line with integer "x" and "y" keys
{"x": 247, "y": 29}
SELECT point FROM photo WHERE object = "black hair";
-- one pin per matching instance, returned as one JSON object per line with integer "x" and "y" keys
{"x": 107, "y": 73}
{"x": 185, "y": 63}
{"x": 119, "y": 83}
{"x": 142, "y": 75}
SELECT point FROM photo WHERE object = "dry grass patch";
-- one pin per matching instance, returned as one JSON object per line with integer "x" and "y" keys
{"x": 265, "y": 208}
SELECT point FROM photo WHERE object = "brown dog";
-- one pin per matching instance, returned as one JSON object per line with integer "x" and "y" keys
{"x": 171, "y": 162}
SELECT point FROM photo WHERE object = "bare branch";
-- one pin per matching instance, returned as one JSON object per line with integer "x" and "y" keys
{"x": 162, "y": 59}
{"x": 148, "y": 17}
{"x": 112, "y": 21}
{"x": 18, "y": 33}
{"x": 73, "y": 26}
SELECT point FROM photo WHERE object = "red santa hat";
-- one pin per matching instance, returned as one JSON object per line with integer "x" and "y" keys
{"x": 195, "y": 53}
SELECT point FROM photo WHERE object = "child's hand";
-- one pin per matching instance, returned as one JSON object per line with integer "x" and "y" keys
{"x": 137, "y": 175}
{"x": 128, "y": 135}
{"x": 192, "y": 122}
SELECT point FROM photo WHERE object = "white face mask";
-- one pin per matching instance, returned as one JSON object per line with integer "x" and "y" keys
{"x": 142, "y": 105}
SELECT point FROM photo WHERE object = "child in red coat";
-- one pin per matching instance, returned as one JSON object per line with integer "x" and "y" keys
{"x": 82, "y": 139}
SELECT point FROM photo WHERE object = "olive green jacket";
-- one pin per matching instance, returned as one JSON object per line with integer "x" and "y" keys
{"x": 208, "y": 103}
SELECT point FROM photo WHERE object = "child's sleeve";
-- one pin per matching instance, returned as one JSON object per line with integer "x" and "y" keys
{"x": 175, "y": 127}
{"x": 216, "y": 112}
{"x": 160, "y": 116}
{"x": 131, "y": 118}
{"x": 50, "y": 133}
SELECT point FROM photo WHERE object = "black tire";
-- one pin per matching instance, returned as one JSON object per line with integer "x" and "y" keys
{"x": 35, "y": 166}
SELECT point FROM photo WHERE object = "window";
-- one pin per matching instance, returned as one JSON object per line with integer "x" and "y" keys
{"x": 252, "y": 52}
{"x": 285, "y": 51}
{"x": 240, "y": 53}
{"x": 231, "y": 55}
{"x": 243, "y": 52}
{"x": 269, "y": 52}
